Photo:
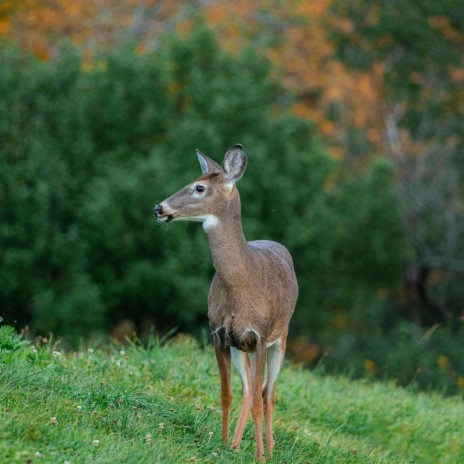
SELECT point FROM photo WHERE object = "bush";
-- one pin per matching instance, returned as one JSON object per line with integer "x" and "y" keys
{"x": 426, "y": 359}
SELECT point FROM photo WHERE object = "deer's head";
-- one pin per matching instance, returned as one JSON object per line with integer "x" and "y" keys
{"x": 209, "y": 196}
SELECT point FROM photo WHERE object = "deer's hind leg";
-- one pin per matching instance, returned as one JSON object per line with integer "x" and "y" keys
{"x": 240, "y": 361}
{"x": 275, "y": 356}
{"x": 258, "y": 365}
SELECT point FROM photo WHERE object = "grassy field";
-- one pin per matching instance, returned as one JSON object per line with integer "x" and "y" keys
{"x": 160, "y": 404}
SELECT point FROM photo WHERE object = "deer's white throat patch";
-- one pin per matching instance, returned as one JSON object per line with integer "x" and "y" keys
{"x": 209, "y": 222}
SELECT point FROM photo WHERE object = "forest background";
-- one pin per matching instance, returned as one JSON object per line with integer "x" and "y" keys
{"x": 352, "y": 116}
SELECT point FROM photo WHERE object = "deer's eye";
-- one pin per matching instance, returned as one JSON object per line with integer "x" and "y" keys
{"x": 200, "y": 188}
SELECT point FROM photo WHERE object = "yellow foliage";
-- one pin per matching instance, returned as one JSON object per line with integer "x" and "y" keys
{"x": 436, "y": 276}
{"x": 174, "y": 88}
{"x": 443, "y": 24}
{"x": 369, "y": 367}
{"x": 383, "y": 293}
{"x": 340, "y": 321}
{"x": 443, "y": 362}
{"x": 329, "y": 184}
{"x": 457, "y": 74}
{"x": 415, "y": 78}
{"x": 302, "y": 351}
{"x": 4, "y": 26}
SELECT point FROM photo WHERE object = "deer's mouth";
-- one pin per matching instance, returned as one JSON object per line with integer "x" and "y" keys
{"x": 166, "y": 217}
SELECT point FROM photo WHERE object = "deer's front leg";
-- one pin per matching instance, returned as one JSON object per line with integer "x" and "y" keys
{"x": 223, "y": 360}
{"x": 258, "y": 367}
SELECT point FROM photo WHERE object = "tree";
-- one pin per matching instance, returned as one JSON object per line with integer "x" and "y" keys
{"x": 418, "y": 45}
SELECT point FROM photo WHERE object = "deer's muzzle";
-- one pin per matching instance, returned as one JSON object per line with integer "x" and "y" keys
{"x": 162, "y": 213}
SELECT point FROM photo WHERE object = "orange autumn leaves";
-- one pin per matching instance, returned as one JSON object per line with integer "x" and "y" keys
{"x": 39, "y": 25}
{"x": 93, "y": 25}
{"x": 325, "y": 91}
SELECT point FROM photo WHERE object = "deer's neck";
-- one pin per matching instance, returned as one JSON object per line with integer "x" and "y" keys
{"x": 230, "y": 251}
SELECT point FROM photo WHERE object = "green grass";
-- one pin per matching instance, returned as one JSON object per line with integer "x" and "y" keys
{"x": 161, "y": 405}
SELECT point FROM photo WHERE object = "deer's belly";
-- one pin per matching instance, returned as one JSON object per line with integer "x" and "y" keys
{"x": 232, "y": 332}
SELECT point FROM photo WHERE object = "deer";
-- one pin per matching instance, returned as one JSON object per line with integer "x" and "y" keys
{"x": 252, "y": 295}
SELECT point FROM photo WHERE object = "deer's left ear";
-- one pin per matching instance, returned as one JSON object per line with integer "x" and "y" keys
{"x": 235, "y": 163}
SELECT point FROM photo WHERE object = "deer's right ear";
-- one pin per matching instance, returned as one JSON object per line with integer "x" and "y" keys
{"x": 208, "y": 166}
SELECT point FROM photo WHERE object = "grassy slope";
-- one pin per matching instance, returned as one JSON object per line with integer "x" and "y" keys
{"x": 172, "y": 393}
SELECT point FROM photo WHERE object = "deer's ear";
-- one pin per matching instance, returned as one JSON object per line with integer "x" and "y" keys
{"x": 235, "y": 163}
{"x": 208, "y": 166}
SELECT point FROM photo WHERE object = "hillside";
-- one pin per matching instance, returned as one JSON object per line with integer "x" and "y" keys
{"x": 161, "y": 404}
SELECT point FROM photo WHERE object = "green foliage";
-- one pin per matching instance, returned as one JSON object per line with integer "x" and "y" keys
{"x": 162, "y": 404}
{"x": 379, "y": 346}
{"x": 354, "y": 243}
{"x": 10, "y": 340}
{"x": 13, "y": 347}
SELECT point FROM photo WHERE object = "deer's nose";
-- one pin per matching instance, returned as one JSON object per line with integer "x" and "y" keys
{"x": 158, "y": 210}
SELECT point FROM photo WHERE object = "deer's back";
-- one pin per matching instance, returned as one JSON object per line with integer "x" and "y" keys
{"x": 274, "y": 255}
{"x": 277, "y": 276}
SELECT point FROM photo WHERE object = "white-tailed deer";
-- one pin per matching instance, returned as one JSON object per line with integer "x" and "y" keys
{"x": 252, "y": 296}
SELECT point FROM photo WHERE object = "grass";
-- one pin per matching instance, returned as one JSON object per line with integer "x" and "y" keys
{"x": 160, "y": 404}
